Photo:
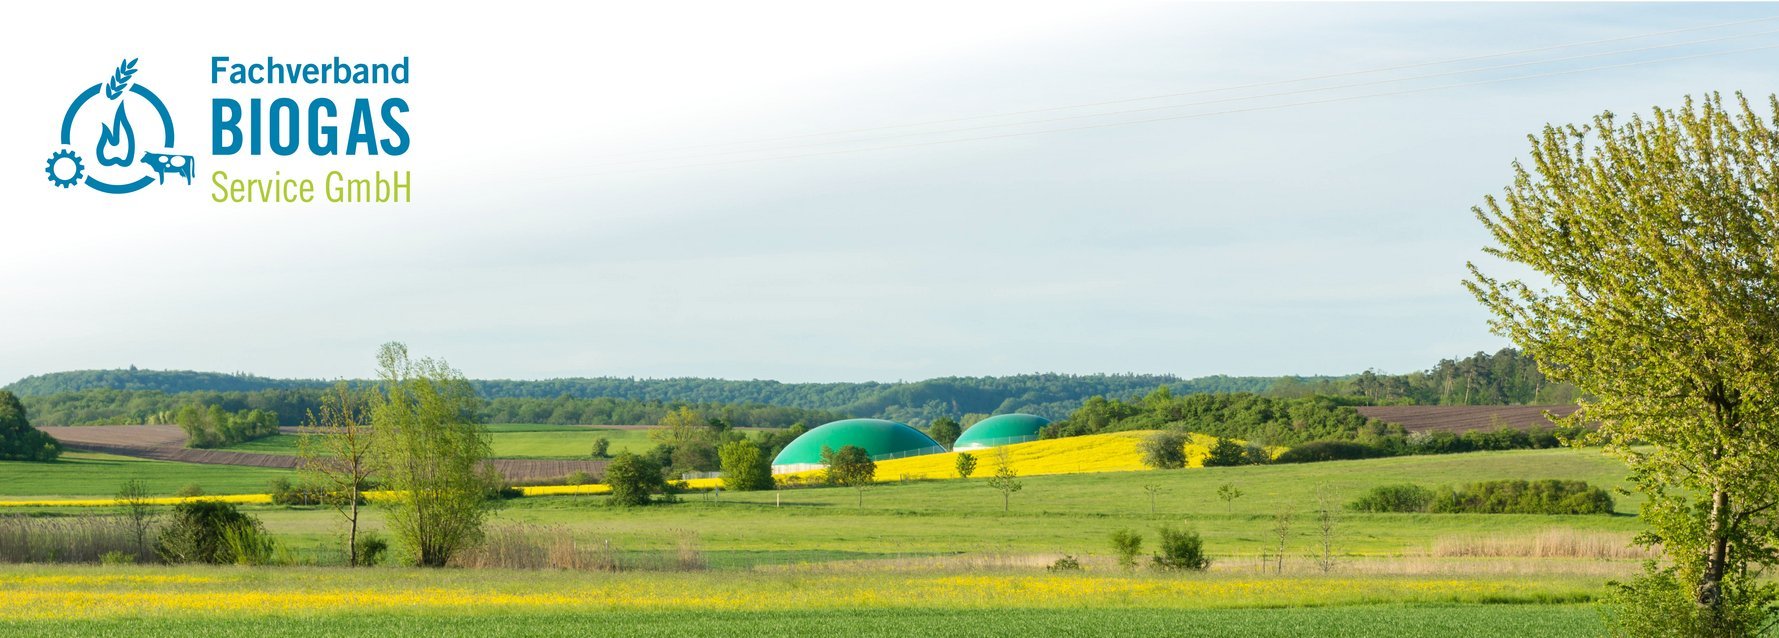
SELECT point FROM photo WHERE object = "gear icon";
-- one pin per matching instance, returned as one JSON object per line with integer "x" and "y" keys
{"x": 56, "y": 159}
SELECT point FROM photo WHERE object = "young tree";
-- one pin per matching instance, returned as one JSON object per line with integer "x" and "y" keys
{"x": 1281, "y": 529}
{"x": 850, "y": 466}
{"x": 336, "y": 453}
{"x": 431, "y": 455}
{"x": 1153, "y": 491}
{"x": 966, "y": 464}
{"x": 1327, "y": 517}
{"x": 18, "y": 440}
{"x": 632, "y": 479}
{"x": 1006, "y": 479}
{"x": 1658, "y": 238}
{"x": 132, "y": 498}
{"x": 1165, "y": 450}
{"x": 945, "y": 431}
{"x": 745, "y": 466}
{"x": 1127, "y": 545}
{"x": 602, "y": 448}
{"x": 1181, "y": 549}
{"x": 1229, "y": 492}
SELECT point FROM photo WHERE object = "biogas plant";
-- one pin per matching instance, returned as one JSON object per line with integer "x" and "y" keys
{"x": 883, "y": 439}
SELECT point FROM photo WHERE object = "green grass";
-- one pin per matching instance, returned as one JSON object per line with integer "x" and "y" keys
{"x": 82, "y": 474}
{"x": 510, "y": 440}
{"x": 1392, "y": 621}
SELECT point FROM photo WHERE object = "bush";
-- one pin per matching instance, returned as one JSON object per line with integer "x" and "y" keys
{"x": 1394, "y": 498}
{"x": 285, "y": 493}
{"x": 1181, "y": 549}
{"x": 1127, "y": 545}
{"x": 248, "y": 544}
{"x": 1065, "y": 564}
{"x": 115, "y": 557}
{"x": 199, "y": 532}
{"x": 1548, "y": 496}
{"x": 745, "y": 466}
{"x": 577, "y": 478}
{"x": 1317, "y": 451}
{"x": 371, "y": 548}
{"x": 602, "y": 448}
{"x": 632, "y": 479}
{"x": 1165, "y": 450}
{"x": 1228, "y": 453}
{"x": 190, "y": 490}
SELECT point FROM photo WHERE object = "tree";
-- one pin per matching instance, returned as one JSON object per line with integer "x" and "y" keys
{"x": 945, "y": 431}
{"x": 1127, "y": 544}
{"x": 1006, "y": 479}
{"x": 602, "y": 448}
{"x": 1281, "y": 530}
{"x": 1181, "y": 549}
{"x": 1327, "y": 517}
{"x": 1658, "y": 238}
{"x": 1226, "y": 453}
{"x": 132, "y": 498}
{"x": 18, "y": 440}
{"x": 966, "y": 464}
{"x": 1229, "y": 492}
{"x": 1165, "y": 450}
{"x": 431, "y": 455}
{"x": 745, "y": 466}
{"x": 850, "y": 466}
{"x": 1153, "y": 491}
{"x": 336, "y": 453}
{"x": 632, "y": 479}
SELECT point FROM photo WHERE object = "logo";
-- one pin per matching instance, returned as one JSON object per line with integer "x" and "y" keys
{"x": 104, "y": 128}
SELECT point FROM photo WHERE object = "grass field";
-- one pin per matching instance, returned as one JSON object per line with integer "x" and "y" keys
{"x": 510, "y": 440}
{"x": 230, "y": 601}
{"x": 83, "y": 474}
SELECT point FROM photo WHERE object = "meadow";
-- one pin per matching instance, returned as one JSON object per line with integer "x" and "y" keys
{"x": 510, "y": 441}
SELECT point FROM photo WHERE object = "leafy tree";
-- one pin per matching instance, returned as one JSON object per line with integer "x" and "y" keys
{"x": 745, "y": 467}
{"x": 945, "y": 431}
{"x": 602, "y": 448}
{"x": 1225, "y": 453}
{"x": 966, "y": 464}
{"x": 1165, "y": 450}
{"x": 850, "y": 466}
{"x": 1127, "y": 545}
{"x": 1658, "y": 238}
{"x": 431, "y": 455}
{"x": 1006, "y": 479}
{"x": 18, "y": 440}
{"x": 1229, "y": 492}
{"x": 632, "y": 479}
{"x": 337, "y": 454}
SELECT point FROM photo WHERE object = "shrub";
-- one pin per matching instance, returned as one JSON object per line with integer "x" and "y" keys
{"x": 577, "y": 478}
{"x": 190, "y": 490}
{"x": 1165, "y": 450}
{"x": 1127, "y": 545}
{"x": 115, "y": 557}
{"x": 1227, "y": 453}
{"x": 198, "y": 533}
{"x": 602, "y": 448}
{"x": 1317, "y": 451}
{"x": 248, "y": 544}
{"x": 966, "y": 464}
{"x": 285, "y": 493}
{"x": 1406, "y": 497}
{"x": 1548, "y": 496}
{"x": 632, "y": 479}
{"x": 1180, "y": 549}
{"x": 1065, "y": 564}
{"x": 745, "y": 466}
{"x": 371, "y": 548}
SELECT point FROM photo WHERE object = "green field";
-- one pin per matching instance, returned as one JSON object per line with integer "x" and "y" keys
{"x": 894, "y": 553}
{"x": 510, "y": 441}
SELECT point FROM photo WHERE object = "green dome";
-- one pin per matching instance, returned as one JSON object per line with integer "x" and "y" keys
{"x": 881, "y": 439}
{"x": 1001, "y": 430}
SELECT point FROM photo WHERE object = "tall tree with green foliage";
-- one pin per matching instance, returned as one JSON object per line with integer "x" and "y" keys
{"x": 632, "y": 479}
{"x": 18, "y": 440}
{"x": 1656, "y": 245}
{"x": 745, "y": 466}
{"x": 337, "y": 455}
{"x": 945, "y": 431}
{"x": 850, "y": 466}
{"x": 965, "y": 464}
{"x": 431, "y": 455}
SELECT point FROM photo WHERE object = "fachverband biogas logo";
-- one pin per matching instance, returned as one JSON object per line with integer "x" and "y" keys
{"x": 117, "y": 136}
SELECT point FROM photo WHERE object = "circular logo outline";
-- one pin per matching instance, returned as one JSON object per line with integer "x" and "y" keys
{"x": 68, "y": 127}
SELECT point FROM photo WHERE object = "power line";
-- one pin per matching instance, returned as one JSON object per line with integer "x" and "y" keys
{"x": 1200, "y": 115}
{"x": 1213, "y": 90}
{"x": 1163, "y": 107}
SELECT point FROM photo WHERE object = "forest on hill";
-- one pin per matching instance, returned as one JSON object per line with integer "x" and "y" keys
{"x": 151, "y": 396}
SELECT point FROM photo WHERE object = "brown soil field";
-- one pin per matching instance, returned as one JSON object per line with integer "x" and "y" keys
{"x": 1458, "y": 419}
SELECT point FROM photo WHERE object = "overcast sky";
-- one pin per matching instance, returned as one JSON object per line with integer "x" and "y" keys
{"x": 658, "y": 189}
